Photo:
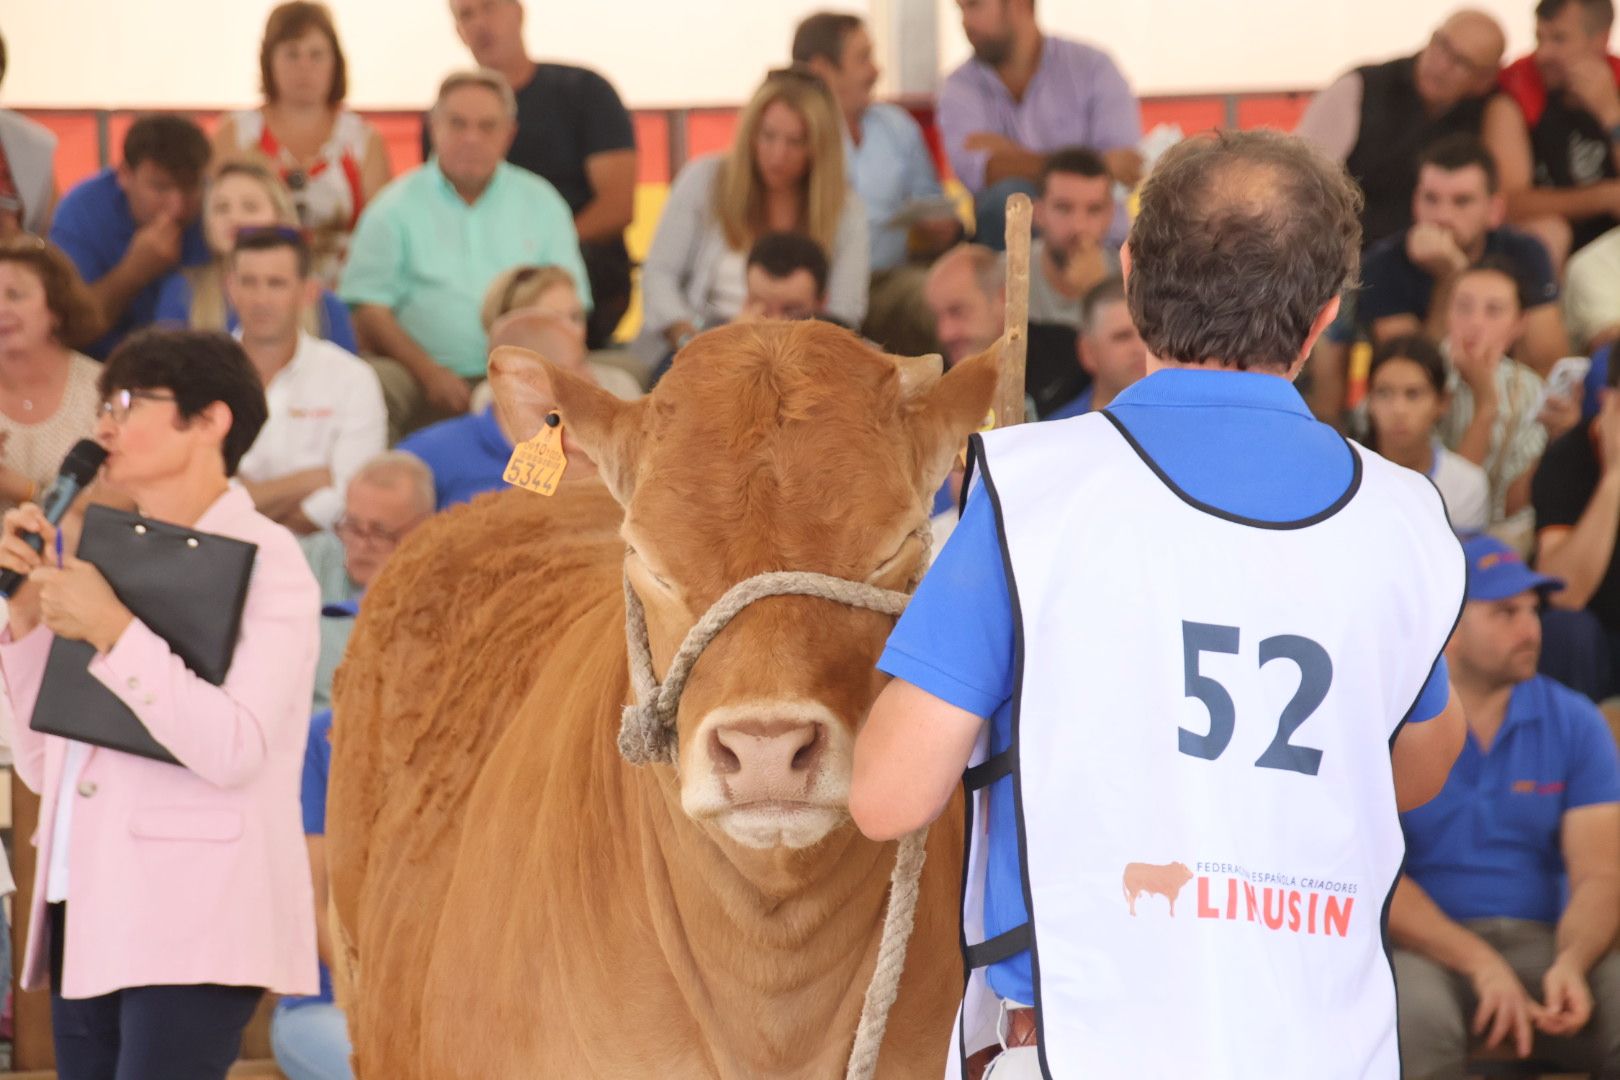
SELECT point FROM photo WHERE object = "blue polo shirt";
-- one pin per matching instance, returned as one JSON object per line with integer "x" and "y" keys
{"x": 93, "y": 226}
{"x": 1243, "y": 442}
{"x": 467, "y": 454}
{"x": 1078, "y": 405}
{"x": 317, "y": 770}
{"x": 1488, "y": 846}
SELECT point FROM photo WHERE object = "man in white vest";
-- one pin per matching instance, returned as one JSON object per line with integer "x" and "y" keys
{"x": 1187, "y": 652}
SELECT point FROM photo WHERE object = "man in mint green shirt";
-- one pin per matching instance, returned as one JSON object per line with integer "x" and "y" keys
{"x": 429, "y": 244}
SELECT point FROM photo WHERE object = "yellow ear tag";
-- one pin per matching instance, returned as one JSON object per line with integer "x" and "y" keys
{"x": 537, "y": 464}
{"x": 988, "y": 425}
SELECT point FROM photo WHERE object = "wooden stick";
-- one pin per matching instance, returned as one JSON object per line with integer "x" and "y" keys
{"x": 1015, "y": 336}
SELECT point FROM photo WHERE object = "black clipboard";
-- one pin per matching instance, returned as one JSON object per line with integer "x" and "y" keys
{"x": 187, "y": 586}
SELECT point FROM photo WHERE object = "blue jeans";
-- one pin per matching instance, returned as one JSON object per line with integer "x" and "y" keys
{"x": 990, "y": 211}
{"x": 311, "y": 1042}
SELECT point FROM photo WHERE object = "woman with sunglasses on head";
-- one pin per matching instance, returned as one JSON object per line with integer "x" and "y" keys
{"x": 167, "y": 897}
{"x": 48, "y": 392}
{"x": 242, "y": 195}
{"x": 333, "y": 161}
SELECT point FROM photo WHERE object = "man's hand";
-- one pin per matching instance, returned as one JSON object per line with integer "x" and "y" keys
{"x": 155, "y": 248}
{"x": 1087, "y": 267}
{"x": 1591, "y": 84}
{"x": 446, "y": 391}
{"x": 1504, "y": 1006}
{"x": 1569, "y": 999}
{"x": 1560, "y": 414}
{"x": 1433, "y": 250}
{"x": 76, "y": 602}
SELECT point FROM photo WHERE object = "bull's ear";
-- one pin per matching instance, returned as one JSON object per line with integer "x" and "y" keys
{"x": 945, "y": 411}
{"x": 598, "y": 427}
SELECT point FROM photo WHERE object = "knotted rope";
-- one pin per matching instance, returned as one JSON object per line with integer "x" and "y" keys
{"x": 647, "y": 736}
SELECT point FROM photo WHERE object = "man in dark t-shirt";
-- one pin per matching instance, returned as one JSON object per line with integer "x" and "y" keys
{"x": 1457, "y": 209}
{"x": 575, "y": 132}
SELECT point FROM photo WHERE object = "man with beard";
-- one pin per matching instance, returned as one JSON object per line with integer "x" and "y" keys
{"x": 1072, "y": 255}
{"x": 1488, "y": 939}
{"x": 1555, "y": 126}
{"x": 1023, "y": 95}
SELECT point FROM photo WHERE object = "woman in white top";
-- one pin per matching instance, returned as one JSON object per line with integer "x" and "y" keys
{"x": 333, "y": 161}
{"x": 48, "y": 395}
{"x": 1406, "y": 397}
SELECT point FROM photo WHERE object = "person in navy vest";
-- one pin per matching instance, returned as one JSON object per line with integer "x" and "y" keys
{"x": 1132, "y": 654}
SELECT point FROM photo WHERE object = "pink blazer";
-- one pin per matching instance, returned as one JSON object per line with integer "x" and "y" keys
{"x": 200, "y": 873}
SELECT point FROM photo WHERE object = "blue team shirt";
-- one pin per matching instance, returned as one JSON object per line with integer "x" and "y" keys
{"x": 1079, "y": 405}
{"x": 174, "y": 306}
{"x": 93, "y": 227}
{"x": 467, "y": 454}
{"x": 1243, "y": 442}
{"x": 317, "y": 770}
{"x": 1488, "y": 846}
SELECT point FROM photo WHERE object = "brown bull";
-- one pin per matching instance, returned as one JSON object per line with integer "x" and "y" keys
{"x": 1148, "y": 879}
{"x": 511, "y": 899}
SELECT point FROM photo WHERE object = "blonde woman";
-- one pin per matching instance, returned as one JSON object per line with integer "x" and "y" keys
{"x": 242, "y": 195}
{"x": 783, "y": 173}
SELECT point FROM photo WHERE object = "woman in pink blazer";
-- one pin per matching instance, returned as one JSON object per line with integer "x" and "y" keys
{"x": 167, "y": 898}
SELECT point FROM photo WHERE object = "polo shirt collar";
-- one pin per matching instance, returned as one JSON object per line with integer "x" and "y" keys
{"x": 1194, "y": 388}
{"x": 1525, "y": 707}
{"x": 450, "y": 189}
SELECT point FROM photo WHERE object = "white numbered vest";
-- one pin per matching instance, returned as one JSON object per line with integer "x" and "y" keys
{"x": 1203, "y": 715}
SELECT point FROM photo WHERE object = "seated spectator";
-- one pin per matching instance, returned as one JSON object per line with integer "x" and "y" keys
{"x": 783, "y": 173}
{"x": 48, "y": 395}
{"x": 327, "y": 416}
{"x": 386, "y": 498}
{"x": 1072, "y": 254}
{"x": 1406, "y": 397}
{"x": 966, "y": 293}
{"x": 1457, "y": 210}
{"x": 428, "y": 246}
{"x": 1023, "y": 95}
{"x": 1552, "y": 128}
{"x": 1110, "y": 350}
{"x": 893, "y": 172}
{"x": 1591, "y": 300}
{"x": 536, "y": 309}
{"x": 332, "y": 161}
{"x": 1576, "y": 494}
{"x": 241, "y": 195}
{"x": 125, "y": 228}
{"x": 573, "y": 131}
{"x": 27, "y": 171}
{"x": 1379, "y": 118}
{"x": 1488, "y": 942}
{"x": 1492, "y": 420}
{"x": 786, "y": 278}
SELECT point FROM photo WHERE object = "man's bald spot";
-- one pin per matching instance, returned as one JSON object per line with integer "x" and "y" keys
{"x": 1476, "y": 33}
{"x": 983, "y": 266}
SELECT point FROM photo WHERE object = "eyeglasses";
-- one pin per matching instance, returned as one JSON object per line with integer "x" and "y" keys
{"x": 351, "y": 531}
{"x": 119, "y": 404}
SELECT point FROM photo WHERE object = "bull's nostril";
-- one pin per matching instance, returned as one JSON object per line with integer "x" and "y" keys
{"x": 722, "y": 756}
{"x": 806, "y": 756}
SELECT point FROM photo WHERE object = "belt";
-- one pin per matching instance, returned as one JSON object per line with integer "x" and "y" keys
{"x": 1020, "y": 1032}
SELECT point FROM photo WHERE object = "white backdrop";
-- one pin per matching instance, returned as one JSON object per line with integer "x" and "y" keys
{"x": 126, "y": 53}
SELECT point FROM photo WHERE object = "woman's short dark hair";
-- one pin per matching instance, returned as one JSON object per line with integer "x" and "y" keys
{"x": 1506, "y": 267}
{"x": 289, "y": 22}
{"x": 78, "y": 316}
{"x": 199, "y": 367}
{"x": 1416, "y": 349}
{"x": 1241, "y": 240}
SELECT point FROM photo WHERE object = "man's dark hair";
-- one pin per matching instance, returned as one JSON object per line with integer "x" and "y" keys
{"x": 1455, "y": 153}
{"x": 1597, "y": 14}
{"x": 1073, "y": 161}
{"x": 173, "y": 143}
{"x": 199, "y": 367}
{"x": 1241, "y": 240}
{"x": 1501, "y": 264}
{"x": 822, "y": 35}
{"x": 1109, "y": 290}
{"x": 274, "y": 238}
{"x": 782, "y": 254}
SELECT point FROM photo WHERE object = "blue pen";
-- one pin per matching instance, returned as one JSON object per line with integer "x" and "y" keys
{"x": 59, "y": 549}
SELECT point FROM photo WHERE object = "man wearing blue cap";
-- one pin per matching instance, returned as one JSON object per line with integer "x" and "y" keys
{"x": 1487, "y": 943}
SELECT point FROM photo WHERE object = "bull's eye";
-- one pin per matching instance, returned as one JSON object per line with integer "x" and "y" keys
{"x": 649, "y": 572}
{"x": 894, "y": 560}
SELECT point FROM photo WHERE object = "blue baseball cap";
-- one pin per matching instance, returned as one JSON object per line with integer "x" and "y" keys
{"x": 1496, "y": 572}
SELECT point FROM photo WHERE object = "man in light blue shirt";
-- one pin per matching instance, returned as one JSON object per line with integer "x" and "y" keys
{"x": 430, "y": 243}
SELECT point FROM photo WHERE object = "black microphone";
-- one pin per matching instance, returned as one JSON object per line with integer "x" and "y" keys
{"x": 78, "y": 469}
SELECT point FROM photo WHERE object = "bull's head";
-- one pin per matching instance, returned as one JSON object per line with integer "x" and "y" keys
{"x": 774, "y": 446}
